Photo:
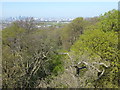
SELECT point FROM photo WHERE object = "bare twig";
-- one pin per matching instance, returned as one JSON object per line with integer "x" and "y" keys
{"x": 101, "y": 73}
{"x": 101, "y": 64}
{"x": 67, "y": 54}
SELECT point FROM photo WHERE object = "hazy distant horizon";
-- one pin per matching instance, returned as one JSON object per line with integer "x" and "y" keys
{"x": 56, "y": 9}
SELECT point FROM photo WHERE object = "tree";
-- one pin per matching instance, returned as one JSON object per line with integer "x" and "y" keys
{"x": 101, "y": 45}
{"x": 28, "y": 57}
{"x": 109, "y": 21}
{"x": 72, "y": 31}
{"x": 28, "y": 24}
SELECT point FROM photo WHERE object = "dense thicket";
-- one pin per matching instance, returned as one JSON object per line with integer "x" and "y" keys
{"x": 47, "y": 57}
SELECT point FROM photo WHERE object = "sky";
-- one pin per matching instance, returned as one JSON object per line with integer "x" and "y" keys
{"x": 60, "y": 0}
{"x": 56, "y": 9}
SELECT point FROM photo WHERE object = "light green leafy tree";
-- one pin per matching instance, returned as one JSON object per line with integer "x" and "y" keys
{"x": 102, "y": 43}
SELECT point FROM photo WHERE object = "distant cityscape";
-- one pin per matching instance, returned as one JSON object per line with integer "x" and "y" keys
{"x": 11, "y": 19}
{"x": 7, "y": 21}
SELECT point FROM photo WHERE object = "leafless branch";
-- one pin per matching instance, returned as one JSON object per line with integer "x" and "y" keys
{"x": 88, "y": 64}
{"x": 101, "y": 73}
{"x": 101, "y": 64}
{"x": 67, "y": 54}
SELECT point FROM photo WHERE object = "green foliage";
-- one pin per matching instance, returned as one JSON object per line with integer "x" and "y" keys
{"x": 12, "y": 32}
{"x": 72, "y": 31}
{"x": 102, "y": 43}
{"x": 31, "y": 55}
{"x": 26, "y": 55}
{"x": 12, "y": 65}
{"x": 56, "y": 65}
{"x": 109, "y": 21}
